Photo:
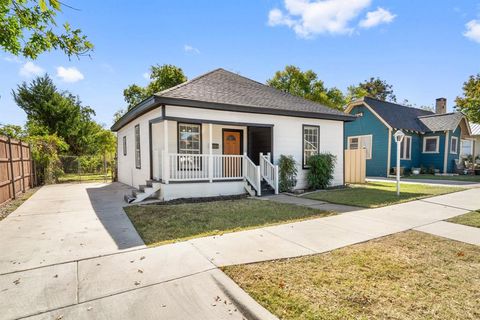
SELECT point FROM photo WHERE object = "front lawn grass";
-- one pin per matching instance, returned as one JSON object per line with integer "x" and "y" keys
{"x": 471, "y": 219}
{"x": 467, "y": 178}
{"x": 73, "y": 177}
{"x": 409, "y": 275}
{"x": 165, "y": 223}
{"x": 379, "y": 194}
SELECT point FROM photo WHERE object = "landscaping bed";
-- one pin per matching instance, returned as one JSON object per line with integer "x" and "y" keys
{"x": 471, "y": 219}
{"x": 409, "y": 275}
{"x": 379, "y": 194}
{"x": 165, "y": 223}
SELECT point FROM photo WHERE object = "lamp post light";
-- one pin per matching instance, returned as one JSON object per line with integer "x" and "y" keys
{"x": 399, "y": 135}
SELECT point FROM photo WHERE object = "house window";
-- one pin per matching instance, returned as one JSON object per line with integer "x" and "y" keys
{"x": 466, "y": 148}
{"x": 361, "y": 142}
{"x": 124, "y": 145}
{"x": 138, "y": 164}
{"x": 454, "y": 145}
{"x": 406, "y": 148}
{"x": 189, "y": 142}
{"x": 311, "y": 141}
{"x": 430, "y": 144}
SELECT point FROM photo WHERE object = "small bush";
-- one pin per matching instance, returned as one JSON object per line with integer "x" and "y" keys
{"x": 287, "y": 171}
{"x": 320, "y": 172}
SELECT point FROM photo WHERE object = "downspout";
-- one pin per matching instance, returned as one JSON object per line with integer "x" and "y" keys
{"x": 389, "y": 155}
{"x": 445, "y": 158}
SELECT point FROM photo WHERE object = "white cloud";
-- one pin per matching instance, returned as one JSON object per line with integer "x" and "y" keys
{"x": 146, "y": 75}
{"x": 13, "y": 59}
{"x": 307, "y": 17}
{"x": 189, "y": 49}
{"x": 71, "y": 74}
{"x": 374, "y": 18}
{"x": 30, "y": 69}
{"x": 473, "y": 30}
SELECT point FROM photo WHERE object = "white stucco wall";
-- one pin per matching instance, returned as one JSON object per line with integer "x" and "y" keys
{"x": 287, "y": 132}
{"x": 127, "y": 173}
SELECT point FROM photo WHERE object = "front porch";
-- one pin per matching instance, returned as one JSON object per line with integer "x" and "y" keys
{"x": 192, "y": 158}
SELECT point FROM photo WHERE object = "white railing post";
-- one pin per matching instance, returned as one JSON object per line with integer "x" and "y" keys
{"x": 210, "y": 149}
{"x": 276, "y": 179}
{"x": 269, "y": 156}
{"x": 259, "y": 184}
{"x": 244, "y": 166}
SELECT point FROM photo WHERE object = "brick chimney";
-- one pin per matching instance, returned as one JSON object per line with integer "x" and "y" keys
{"x": 441, "y": 106}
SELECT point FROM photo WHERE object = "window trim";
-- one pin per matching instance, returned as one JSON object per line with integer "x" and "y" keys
{"x": 304, "y": 166}
{"x": 456, "y": 145}
{"x": 124, "y": 145}
{"x": 472, "y": 147}
{"x": 138, "y": 164}
{"x": 437, "y": 150}
{"x": 370, "y": 154}
{"x": 404, "y": 149}
{"x": 200, "y": 142}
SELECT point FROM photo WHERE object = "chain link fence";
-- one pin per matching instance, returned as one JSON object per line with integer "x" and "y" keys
{"x": 87, "y": 168}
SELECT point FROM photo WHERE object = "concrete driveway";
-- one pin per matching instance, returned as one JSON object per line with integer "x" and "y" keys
{"x": 66, "y": 222}
{"x": 70, "y": 252}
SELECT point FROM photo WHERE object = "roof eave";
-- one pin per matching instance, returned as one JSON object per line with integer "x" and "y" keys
{"x": 141, "y": 108}
{"x": 250, "y": 109}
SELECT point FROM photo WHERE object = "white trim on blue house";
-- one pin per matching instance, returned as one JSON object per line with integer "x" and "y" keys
{"x": 437, "y": 150}
{"x": 456, "y": 145}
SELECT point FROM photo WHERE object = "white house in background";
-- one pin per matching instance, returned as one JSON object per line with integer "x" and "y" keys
{"x": 471, "y": 146}
{"x": 222, "y": 134}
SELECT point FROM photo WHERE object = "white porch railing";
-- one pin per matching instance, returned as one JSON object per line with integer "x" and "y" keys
{"x": 174, "y": 167}
{"x": 252, "y": 174}
{"x": 269, "y": 171}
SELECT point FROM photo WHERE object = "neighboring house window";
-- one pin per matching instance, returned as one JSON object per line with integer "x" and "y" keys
{"x": 124, "y": 145}
{"x": 454, "y": 145}
{"x": 430, "y": 144}
{"x": 311, "y": 142}
{"x": 466, "y": 148}
{"x": 361, "y": 142}
{"x": 189, "y": 142}
{"x": 406, "y": 148}
{"x": 138, "y": 159}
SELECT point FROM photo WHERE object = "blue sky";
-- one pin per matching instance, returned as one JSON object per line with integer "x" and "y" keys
{"x": 425, "y": 49}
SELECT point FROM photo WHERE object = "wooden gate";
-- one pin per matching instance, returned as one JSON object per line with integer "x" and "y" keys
{"x": 16, "y": 170}
{"x": 355, "y": 165}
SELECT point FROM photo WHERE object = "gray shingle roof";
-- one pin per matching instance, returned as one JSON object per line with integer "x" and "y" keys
{"x": 408, "y": 118}
{"x": 441, "y": 122}
{"x": 224, "y": 87}
{"x": 399, "y": 116}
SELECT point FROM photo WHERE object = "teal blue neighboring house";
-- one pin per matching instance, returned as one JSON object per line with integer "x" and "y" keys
{"x": 432, "y": 139}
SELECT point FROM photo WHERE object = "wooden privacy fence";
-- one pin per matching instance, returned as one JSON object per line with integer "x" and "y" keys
{"x": 355, "y": 165}
{"x": 16, "y": 168}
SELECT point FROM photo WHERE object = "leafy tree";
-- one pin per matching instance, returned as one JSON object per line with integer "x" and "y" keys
{"x": 162, "y": 77}
{"x": 45, "y": 152}
{"x": 12, "y": 131}
{"x": 374, "y": 88}
{"x": 306, "y": 84}
{"x": 469, "y": 103}
{"x": 117, "y": 115}
{"x": 26, "y": 29}
{"x": 50, "y": 111}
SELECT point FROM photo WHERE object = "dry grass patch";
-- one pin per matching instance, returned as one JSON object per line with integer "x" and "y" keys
{"x": 12, "y": 205}
{"x": 410, "y": 275}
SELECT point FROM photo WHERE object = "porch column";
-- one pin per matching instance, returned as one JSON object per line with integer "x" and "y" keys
{"x": 210, "y": 152}
{"x": 166, "y": 157}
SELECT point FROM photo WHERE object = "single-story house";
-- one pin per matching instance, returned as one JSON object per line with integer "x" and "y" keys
{"x": 222, "y": 134}
{"x": 432, "y": 139}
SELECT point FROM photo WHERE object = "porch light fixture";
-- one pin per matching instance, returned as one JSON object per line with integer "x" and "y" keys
{"x": 399, "y": 135}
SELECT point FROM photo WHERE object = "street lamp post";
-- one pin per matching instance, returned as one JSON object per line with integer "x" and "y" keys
{"x": 399, "y": 135}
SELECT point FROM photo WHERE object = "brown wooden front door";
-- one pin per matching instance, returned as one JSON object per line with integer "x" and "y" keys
{"x": 232, "y": 145}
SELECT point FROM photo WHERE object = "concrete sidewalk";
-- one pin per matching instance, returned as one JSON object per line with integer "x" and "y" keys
{"x": 305, "y": 202}
{"x": 181, "y": 281}
{"x": 453, "y": 231}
